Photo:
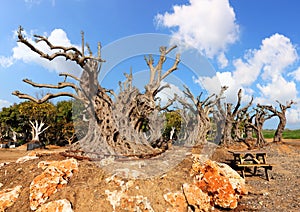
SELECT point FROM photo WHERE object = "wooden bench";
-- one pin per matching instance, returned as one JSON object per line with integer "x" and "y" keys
{"x": 248, "y": 159}
{"x": 265, "y": 166}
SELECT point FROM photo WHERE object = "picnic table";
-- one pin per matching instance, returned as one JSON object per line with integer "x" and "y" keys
{"x": 249, "y": 159}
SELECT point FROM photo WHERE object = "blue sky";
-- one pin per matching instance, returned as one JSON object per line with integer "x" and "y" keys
{"x": 249, "y": 44}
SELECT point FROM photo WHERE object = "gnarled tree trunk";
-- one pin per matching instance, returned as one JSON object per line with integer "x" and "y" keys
{"x": 202, "y": 110}
{"x": 114, "y": 126}
{"x": 282, "y": 118}
{"x": 233, "y": 118}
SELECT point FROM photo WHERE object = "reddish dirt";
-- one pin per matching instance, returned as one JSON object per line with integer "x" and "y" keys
{"x": 86, "y": 189}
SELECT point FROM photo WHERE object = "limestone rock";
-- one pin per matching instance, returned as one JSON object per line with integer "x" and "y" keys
{"x": 26, "y": 158}
{"x": 9, "y": 196}
{"x": 121, "y": 201}
{"x": 238, "y": 183}
{"x": 54, "y": 177}
{"x": 62, "y": 205}
{"x": 177, "y": 201}
{"x": 196, "y": 197}
{"x": 68, "y": 166}
{"x": 213, "y": 180}
{"x": 4, "y": 164}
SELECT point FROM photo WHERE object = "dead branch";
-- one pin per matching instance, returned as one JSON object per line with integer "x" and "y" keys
{"x": 156, "y": 75}
{"x": 69, "y": 75}
{"x": 46, "y": 97}
{"x": 70, "y": 53}
{"x": 60, "y": 85}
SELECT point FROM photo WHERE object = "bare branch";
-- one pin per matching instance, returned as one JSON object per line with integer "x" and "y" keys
{"x": 161, "y": 88}
{"x": 69, "y": 75}
{"x": 60, "y": 85}
{"x": 46, "y": 97}
{"x": 173, "y": 68}
{"x": 70, "y": 53}
{"x": 169, "y": 103}
{"x": 170, "y": 49}
{"x": 189, "y": 94}
{"x": 208, "y": 101}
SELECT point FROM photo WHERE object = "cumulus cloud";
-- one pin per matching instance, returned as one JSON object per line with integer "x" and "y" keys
{"x": 222, "y": 60}
{"x": 213, "y": 86}
{"x": 59, "y": 64}
{"x": 293, "y": 115}
{"x": 278, "y": 89}
{"x": 207, "y": 25}
{"x": 263, "y": 68}
{"x": 295, "y": 74}
{"x": 261, "y": 71}
{"x": 6, "y": 62}
{"x": 276, "y": 54}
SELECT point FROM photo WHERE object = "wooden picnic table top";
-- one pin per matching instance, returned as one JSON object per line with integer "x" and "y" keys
{"x": 256, "y": 156}
{"x": 248, "y": 152}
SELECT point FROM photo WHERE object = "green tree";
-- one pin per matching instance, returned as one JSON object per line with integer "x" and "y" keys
{"x": 45, "y": 112}
{"x": 11, "y": 120}
{"x": 64, "y": 122}
{"x": 173, "y": 119}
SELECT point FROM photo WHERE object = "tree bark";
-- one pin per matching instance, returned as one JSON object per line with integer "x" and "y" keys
{"x": 282, "y": 118}
{"x": 234, "y": 118}
{"x": 114, "y": 126}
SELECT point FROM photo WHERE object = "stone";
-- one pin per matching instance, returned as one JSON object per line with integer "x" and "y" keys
{"x": 62, "y": 205}
{"x": 4, "y": 164}
{"x": 9, "y": 196}
{"x": 68, "y": 166}
{"x": 213, "y": 180}
{"x": 26, "y": 158}
{"x": 238, "y": 183}
{"x": 121, "y": 201}
{"x": 177, "y": 201}
{"x": 196, "y": 197}
{"x": 55, "y": 176}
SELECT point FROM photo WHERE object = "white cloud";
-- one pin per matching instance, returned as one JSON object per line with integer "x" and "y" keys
{"x": 278, "y": 89}
{"x": 59, "y": 64}
{"x": 6, "y": 61}
{"x": 295, "y": 74}
{"x": 263, "y": 68}
{"x": 293, "y": 115}
{"x": 222, "y": 60}
{"x": 276, "y": 54}
{"x": 207, "y": 25}
{"x": 4, "y": 103}
{"x": 213, "y": 85}
{"x": 168, "y": 93}
{"x": 268, "y": 63}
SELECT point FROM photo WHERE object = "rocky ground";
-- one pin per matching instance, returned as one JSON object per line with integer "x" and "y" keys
{"x": 282, "y": 192}
{"x": 88, "y": 189}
